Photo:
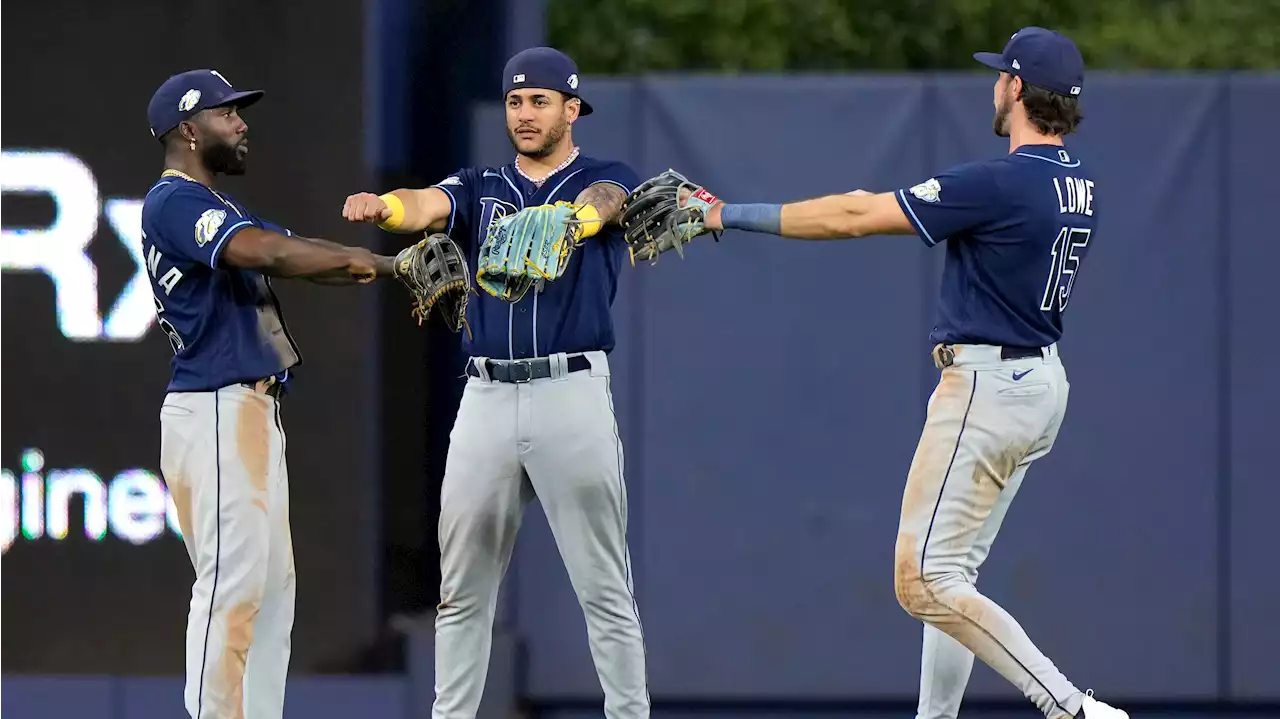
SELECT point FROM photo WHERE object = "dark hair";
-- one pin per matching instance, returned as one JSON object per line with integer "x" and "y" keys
{"x": 1051, "y": 113}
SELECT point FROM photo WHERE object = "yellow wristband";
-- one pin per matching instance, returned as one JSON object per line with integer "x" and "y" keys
{"x": 397, "y": 211}
{"x": 591, "y": 222}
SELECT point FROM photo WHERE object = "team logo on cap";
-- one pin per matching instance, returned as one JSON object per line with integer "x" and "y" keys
{"x": 927, "y": 190}
{"x": 208, "y": 224}
{"x": 189, "y": 100}
{"x": 573, "y": 81}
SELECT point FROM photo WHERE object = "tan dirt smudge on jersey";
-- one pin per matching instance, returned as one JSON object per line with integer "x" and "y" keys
{"x": 907, "y": 583}
{"x": 973, "y": 607}
{"x": 239, "y": 637}
{"x": 180, "y": 493}
{"x": 253, "y": 437}
{"x": 1000, "y": 468}
{"x": 933, "y": 451}
{"x": 924, "y": 483}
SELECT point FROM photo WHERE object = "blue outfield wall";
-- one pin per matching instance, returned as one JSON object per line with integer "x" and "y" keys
{"x": 771, "y": 394}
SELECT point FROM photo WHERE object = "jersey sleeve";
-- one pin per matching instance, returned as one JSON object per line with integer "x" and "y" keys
{"x": 463, "y": 189}
{"x": 620, "y": 174}
{"x": 197, "y": 226}
{"x": 960, "y": 199}
{"x": 616, "y": 173}
{"x": 273, "y": 227}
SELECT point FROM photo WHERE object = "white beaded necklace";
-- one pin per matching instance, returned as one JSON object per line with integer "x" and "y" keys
{"x": 568, "y": 161}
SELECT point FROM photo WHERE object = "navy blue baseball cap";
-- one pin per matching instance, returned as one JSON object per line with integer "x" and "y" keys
{"x": 187, "y": 93}
{"x": 546, "y": 68}
{"x": 1040, "y": 57}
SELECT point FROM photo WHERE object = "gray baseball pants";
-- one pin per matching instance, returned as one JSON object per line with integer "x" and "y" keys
{"x": 555, "y": 438}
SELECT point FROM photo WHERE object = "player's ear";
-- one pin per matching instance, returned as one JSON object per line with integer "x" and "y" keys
{"x": 572, "y": 106}
{"x": 187, "y": 131}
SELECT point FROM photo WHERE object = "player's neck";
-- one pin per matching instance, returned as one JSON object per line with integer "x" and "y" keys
{"x": 1027, "y": 134}
{"x": 190, "y": 166}
{"x": 538, "y": 168}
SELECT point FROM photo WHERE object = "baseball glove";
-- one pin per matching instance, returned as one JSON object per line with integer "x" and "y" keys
{"x": 529, "y": 248}
{"x": 435, "y": 271}
{"x": 664, "y": 213}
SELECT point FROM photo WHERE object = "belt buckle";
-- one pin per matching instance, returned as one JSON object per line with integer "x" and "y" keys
{"x": 943, "y": 356}
{"x": 518, "y": 378}
{"x": 269, "y": 386}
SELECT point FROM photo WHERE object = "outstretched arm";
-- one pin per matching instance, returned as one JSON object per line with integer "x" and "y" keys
{"x": 401, "y": 211}
{"x": 599, "y": 204}
{"x": 606, "y": 198}
{"x": 833, "y": 217}
{"x": 385, "y": 265}
{"x": 277, "y": 255}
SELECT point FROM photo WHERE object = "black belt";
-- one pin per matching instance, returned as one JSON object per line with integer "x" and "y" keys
{"x": 525, "y": 370}
{"x": 1012, "y": 353}
{"x": 275, "y": 389}
{"x": 944, "y": 354}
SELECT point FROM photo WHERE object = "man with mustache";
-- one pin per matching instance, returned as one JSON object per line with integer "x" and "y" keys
{"x": 537, "y": 412}
{"x": 222, "y": 440}
{"x": 1016, "y": 230}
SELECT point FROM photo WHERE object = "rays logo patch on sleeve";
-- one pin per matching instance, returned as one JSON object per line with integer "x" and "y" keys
{"x": 928, "y": 190}
{"x": 208, "y": 224}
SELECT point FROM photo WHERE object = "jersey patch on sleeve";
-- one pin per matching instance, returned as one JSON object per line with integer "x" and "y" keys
{"x": 208, "y": 225}
{"x": 927, "y": 191}
{"x": 451, "y": 180}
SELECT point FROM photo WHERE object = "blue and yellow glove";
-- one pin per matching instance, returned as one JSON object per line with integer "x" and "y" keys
{"x": 532, "y": 247}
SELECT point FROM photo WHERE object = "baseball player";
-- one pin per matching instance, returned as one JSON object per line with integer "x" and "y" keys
{"x": 1016, "y": 230}
{"x": 222, "y": 441}
{"x": 537, "y": 415}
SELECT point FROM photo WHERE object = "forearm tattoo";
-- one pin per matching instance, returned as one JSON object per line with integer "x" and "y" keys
{"x": 607, "y": 198}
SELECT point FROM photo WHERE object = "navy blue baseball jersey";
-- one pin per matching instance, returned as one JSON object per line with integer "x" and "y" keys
{"x": 224, "y": 323}
{"x": 571, "y": 314}
{"x": 1017, "y": 230}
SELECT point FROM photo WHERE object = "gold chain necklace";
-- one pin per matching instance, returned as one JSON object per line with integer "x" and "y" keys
{"x": 185, "y": 176}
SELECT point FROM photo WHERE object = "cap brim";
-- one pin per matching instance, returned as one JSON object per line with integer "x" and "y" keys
{"x": 992, "y": 60}
{"x": 241, "y": 99}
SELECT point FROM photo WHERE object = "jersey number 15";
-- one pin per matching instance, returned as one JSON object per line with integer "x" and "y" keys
{"x": 1066, "y": 261}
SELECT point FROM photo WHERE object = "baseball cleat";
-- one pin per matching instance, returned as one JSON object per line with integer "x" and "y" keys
{"x": 1094, "y": 709}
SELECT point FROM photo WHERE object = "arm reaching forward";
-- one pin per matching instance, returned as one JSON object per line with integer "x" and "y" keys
{"x": 833, "y": 217}
{"x": 401, "y": 211}
{"x": 277, "y": 255}
{"x": 606, "y": 198}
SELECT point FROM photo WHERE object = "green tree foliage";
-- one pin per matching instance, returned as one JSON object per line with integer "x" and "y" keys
{"x": 727, "y": 36}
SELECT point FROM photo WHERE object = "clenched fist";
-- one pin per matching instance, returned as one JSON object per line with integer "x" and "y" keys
{"x": 365, "y": 207}
{"x": 363, "y": 267}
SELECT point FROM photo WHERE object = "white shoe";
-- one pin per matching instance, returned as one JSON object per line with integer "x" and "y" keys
{"x": 1094, "y": 709}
